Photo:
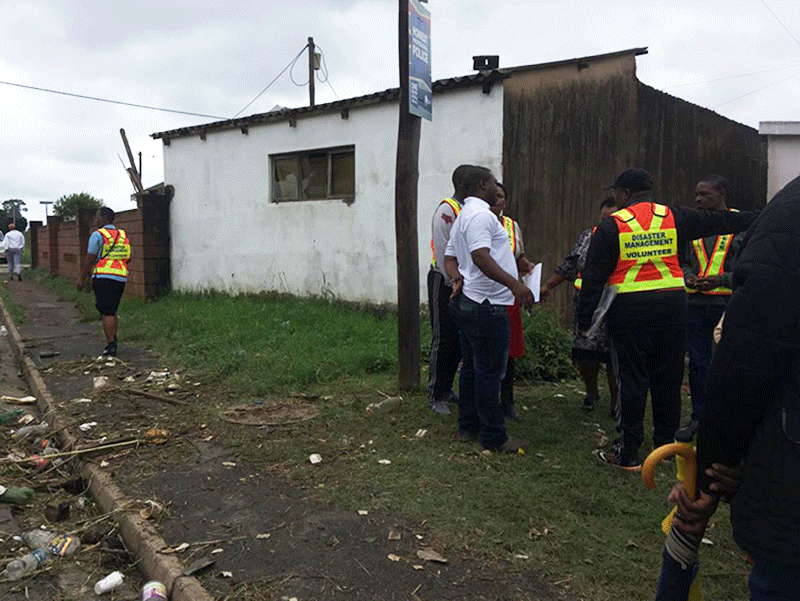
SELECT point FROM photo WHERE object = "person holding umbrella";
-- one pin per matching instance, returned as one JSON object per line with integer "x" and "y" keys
{"x": 751, "y": 416}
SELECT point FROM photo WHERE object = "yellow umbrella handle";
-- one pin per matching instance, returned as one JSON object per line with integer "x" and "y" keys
{"x": 683, "y": 451}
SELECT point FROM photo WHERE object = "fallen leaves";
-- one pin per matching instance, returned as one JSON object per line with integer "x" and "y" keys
{"x": 429, "y": 554}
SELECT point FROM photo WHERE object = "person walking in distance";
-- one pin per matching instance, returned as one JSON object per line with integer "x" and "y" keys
{"x": 445, "y": 348}
{"x": 14, "y": 243}
{"x": 636, "y": 251}
{"x": 707, "y": 266}
{"x": 485, "y": 279}
{"x": 107, "y": 262}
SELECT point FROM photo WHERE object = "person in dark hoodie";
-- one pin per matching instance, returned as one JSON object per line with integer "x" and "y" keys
{"x": 635, "y": 251}
{"x": 751, "y": 416}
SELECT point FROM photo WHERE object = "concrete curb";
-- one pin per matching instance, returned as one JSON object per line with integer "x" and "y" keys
{"x": 139, "y": 535}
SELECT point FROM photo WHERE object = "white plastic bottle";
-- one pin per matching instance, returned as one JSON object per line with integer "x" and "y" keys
{"x": 26, "y": 564}
{"x": 62, "y": 545}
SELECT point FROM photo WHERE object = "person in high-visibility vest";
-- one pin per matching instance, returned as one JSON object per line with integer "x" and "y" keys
{"x": 107, "y": 262}
{"x": 707, "y": 265}
{"x": 636, "y": 251}
{"x": 445, "y": 347}
{"x": 516, "y": 347}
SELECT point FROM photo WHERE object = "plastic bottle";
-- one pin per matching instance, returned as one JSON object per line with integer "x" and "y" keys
{"x": 385, "y": 405}
{"x": 154, "y": 591}
{"x": 10, "y": 415}
{"x": 62, "y": 545}
{"x": 18, "y": 495}
{"x": 30, "y": 431}
{"x": 24, "y": 565}
{"x": 109, "y": 583}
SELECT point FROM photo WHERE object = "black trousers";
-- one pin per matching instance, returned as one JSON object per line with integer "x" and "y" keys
{"x": 650, "y": 359}
{"x": 445, "y": 346}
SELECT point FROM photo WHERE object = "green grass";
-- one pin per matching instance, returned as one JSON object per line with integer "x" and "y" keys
{"x": 587, "y": 527}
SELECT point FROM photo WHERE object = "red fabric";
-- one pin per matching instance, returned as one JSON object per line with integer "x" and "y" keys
{"x": 517, "y": 347}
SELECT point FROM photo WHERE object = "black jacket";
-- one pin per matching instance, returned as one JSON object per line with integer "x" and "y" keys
{"x": 644, "y": 308}
{"x": 752, "y": 398}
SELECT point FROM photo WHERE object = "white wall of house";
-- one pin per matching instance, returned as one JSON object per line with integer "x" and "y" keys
{"x": 783, "y": 153}
{"x": 227, "y": 235}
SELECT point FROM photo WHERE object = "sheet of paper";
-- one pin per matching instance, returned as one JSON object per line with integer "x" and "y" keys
{"x": 534, "y": 281}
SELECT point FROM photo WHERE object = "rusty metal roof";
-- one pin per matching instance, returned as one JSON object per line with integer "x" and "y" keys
{"x": 486, "y": 79}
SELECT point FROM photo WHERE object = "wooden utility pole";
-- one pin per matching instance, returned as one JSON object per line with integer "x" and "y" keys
{"x": 311, "y": 70}
{"x": 405, "y": 220}
{"x": 134, "y": 174}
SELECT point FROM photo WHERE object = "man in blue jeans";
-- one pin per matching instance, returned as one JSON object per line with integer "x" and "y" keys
{"x": 479, "y": 261}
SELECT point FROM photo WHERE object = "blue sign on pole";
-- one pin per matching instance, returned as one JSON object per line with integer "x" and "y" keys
{"x": 420, "y": 88}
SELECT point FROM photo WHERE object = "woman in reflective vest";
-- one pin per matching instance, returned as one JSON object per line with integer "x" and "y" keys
{"x": 517, "y": 344}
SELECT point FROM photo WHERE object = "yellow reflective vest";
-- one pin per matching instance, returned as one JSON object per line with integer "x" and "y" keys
{"x": 115, "y": 253}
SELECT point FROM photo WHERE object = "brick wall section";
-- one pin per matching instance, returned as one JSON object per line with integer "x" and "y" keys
{"x": 60, "y": 247}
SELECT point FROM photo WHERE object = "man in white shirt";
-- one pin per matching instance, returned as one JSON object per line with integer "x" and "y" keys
{"x": 13, "y": 243}
{"x": 481, "y": 264}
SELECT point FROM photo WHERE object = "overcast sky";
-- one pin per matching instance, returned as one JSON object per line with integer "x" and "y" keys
{"x": 213, "y": 58}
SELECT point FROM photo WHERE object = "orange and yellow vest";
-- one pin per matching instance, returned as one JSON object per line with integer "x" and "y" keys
{"x": 648, "y": 250}
{"x": 115, "y": 253}
{"x": 508, "y": 224}
{"x": 456, "y": 209}
{"x": 713, "y": 265}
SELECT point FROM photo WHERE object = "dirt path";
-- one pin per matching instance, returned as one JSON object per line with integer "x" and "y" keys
{"x": 267, "y": 538}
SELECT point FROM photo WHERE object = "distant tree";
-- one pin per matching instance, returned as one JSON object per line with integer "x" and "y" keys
{"x": 12, "y": 213}
{"x": 68, "y": 206}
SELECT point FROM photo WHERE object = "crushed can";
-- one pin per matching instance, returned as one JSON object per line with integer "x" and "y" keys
{"x": 154, "y": 591}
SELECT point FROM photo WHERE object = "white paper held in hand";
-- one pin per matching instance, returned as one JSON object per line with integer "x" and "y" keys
{"x": 533, "y": 280}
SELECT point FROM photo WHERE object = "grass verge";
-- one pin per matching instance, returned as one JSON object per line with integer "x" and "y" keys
{"x": 590, "y": 529}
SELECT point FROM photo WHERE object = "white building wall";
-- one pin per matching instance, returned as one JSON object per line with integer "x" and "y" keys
{"x": 783, "y": 153}
{"x": 227, "y": 235}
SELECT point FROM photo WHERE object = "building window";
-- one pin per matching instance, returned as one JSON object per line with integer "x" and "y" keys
{"x": 314, "y": 175}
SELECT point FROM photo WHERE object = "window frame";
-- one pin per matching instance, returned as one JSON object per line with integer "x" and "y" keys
{"x": 297, "y": 157}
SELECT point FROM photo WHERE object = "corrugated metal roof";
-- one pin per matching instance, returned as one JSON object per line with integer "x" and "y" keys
{"x": 482, "y": 78}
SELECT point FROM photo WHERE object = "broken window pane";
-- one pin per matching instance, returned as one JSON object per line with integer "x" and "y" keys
{"x": 343, "y": 174}
{"x": 285, "y": 179}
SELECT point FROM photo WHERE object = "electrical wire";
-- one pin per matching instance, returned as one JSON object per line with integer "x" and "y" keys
{"x": 781, "y": 22}
{"x": 697, "y": 83}
{"x": 774, "y": 83}
{"x": 324, "y": 69}
{"x": 291, "y": 63}
{"x": 108, "y": 100}
{"x": 291, "y": 73}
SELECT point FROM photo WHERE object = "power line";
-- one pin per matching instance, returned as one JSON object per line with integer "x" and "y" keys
{"x": 292, "y": 62}
{"x": 324, "y": 69}
{"x": 697, "y": 83}
{"x": 781, "y": 22}
{"x": 85, "y": 97}
{"x": 774, "y": 83}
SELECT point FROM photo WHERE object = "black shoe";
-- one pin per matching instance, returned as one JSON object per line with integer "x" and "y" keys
{"x": 588, "y": 402}
{"x": 610, "y": 457}
{"x": 510, "y": 447}
{"x": 19, "y": 277}
{"x": 687, "y": 432}
{"x": 111, "y": 349}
